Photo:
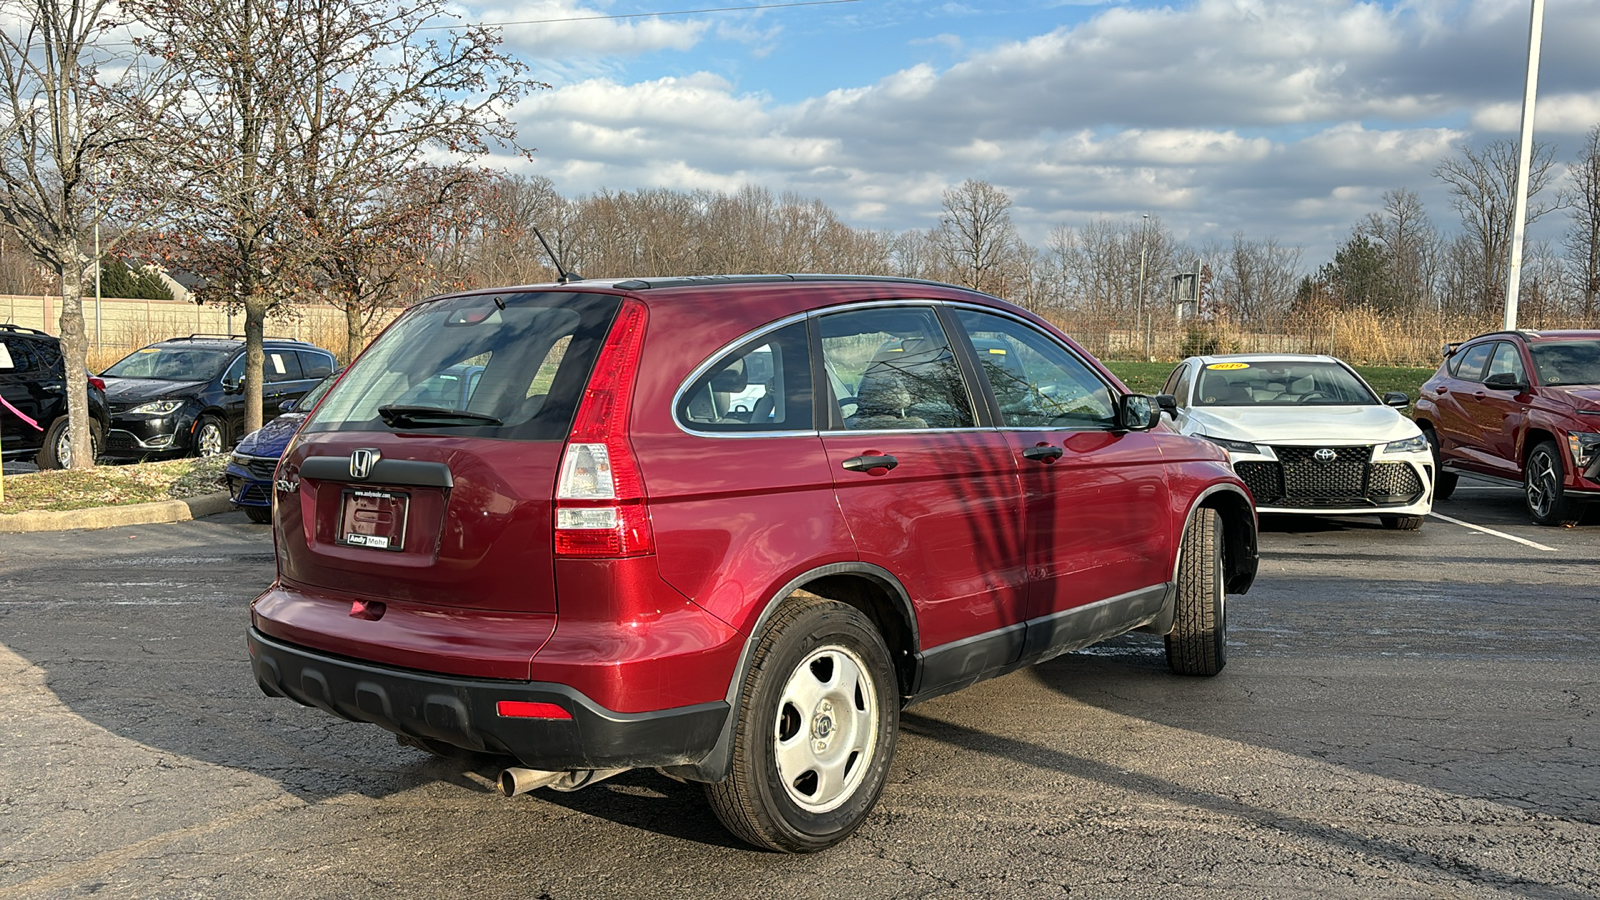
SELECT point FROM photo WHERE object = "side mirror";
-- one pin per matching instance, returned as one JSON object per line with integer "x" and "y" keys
{"x": 1397, "y": 399}
{"x": 1137, "y": 412}
{"x": 232, "y": 387}
{"x": 1168, "y": 404}
{"x": 286, "y": 406}
{"x": 1505, "y": 381}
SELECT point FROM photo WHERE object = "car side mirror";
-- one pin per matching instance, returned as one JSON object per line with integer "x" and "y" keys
{"x": 1397, "y": 399}
{"x": 1168, "y": 404}
{"x": 286, "y": 406}
{"x": 232, "y": 387}
{"x": 1505, "y": 381}
{"x": 1137, "y": 412}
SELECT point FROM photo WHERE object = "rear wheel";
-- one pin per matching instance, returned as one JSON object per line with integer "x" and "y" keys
{"x": 260, "y": 515}
{"x": 1444, "y": 483}
{"x": 1543, "y": 482}
{"x": 1198, "y": 642}
{"x": 1402, "y": 523}
{"x": 817, "y": 722}
{"x": 209, "y": 436}
{"x": 57, "y": 450}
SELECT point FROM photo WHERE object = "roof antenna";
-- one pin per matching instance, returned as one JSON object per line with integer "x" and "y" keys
{"x": 566, "y": 277}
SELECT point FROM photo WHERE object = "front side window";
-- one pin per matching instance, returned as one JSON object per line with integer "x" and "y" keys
{"x": 1506, "y": 361}
{"x": 509, "y": 366}
{"x": 281, "y": 365}
{"x": 1037, "y": 383}
{"x": 763, "y": 384}
{"x": 1178, "y": 384}
{"x": 891, "y": 368}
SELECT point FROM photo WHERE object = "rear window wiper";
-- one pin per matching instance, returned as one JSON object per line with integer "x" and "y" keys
{"x": 431, "y": 416}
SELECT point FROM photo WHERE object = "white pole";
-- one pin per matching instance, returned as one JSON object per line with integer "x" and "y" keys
{"x": 1524, "y": 156}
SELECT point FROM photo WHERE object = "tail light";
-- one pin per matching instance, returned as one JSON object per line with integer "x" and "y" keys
{"x": 600, "y": 504}
{"x": 97, "y": 383}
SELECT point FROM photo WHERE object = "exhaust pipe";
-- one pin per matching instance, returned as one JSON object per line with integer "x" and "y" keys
{"x": 517, "y": 780}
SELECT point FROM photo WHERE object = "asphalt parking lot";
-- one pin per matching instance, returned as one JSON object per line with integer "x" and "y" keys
{"x": 1403, "y": 715}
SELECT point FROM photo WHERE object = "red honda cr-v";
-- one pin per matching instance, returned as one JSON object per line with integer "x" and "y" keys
{"x": 727, "y": 528}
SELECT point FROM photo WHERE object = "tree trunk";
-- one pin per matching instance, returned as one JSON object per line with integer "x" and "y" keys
{"x": 354, "y": 327}
{"x": 255, "y": 328}
{"x": 74, "y": 352}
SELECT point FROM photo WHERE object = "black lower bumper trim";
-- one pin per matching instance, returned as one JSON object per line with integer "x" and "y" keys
{"x": 461, "y": 712}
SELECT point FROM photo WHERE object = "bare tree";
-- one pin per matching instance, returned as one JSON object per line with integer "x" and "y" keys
{"x": 73, "y": 116}
{"x": 976, "y": 237}
{"x": 1583, "y": 236}
{"x": 1410, "y": 246}
{"x": 1259, "y": 278}
{"x": 1483, "y": 185}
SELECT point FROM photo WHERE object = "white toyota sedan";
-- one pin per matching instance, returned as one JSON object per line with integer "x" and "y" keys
{"x": 1308, "y": 435}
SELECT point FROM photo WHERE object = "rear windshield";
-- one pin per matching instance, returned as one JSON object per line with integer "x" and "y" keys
{"x": 509, "y": 366}
{"x": 1567, "y": 362}
{"x": 1281, "y": 383}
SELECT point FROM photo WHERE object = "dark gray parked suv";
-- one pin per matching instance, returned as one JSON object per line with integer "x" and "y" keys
{"x": 33, "y": 383}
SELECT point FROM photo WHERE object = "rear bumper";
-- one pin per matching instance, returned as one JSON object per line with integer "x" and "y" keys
{"x": 462, "y": 712}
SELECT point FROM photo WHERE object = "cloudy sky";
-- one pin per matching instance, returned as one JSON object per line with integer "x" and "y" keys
{"x": 1280, "y": 118}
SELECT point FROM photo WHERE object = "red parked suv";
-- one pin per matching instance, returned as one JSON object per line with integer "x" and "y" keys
{"x": 1522, "y": 406}
{"x": 620, "y": 551}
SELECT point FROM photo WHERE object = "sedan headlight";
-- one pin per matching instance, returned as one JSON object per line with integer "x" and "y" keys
{"x": 1418, "y": 444}
{"x": 1584, "y": 446}
{"x": 158, "y": 407}
{"x": 1235, "y": 446}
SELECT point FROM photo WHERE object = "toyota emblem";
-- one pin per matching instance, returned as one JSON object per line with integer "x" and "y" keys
{"x": 362, "y": 461}
{"x": 1325, "y": 455}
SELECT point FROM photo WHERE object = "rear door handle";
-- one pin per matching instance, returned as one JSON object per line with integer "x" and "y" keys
{"x": 1043, "y": 452}
{"x": 870, "y": 463}
{"x": 1441, "y": 389}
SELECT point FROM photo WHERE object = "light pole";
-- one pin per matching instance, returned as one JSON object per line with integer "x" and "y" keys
{"x": 1524, "y": 154}
{"x": 1144, "y": 238}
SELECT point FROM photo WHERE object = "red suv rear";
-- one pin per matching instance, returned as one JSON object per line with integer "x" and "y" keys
{"x": 1522, "y": 406}
{"x": 728, "y": 528}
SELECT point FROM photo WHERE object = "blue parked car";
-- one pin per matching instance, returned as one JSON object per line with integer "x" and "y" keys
{"x": 254, "y": 461}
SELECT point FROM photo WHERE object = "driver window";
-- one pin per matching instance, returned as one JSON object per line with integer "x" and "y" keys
{"x": 1506, "y": 360}
{"x": 1037, "y": 383}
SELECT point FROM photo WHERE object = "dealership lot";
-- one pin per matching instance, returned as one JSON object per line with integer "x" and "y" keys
{"x": 1403, "y": 715}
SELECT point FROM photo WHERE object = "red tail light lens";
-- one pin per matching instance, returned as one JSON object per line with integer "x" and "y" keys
{"x": 600, "y": 502}
{"x": 98, "y": 383}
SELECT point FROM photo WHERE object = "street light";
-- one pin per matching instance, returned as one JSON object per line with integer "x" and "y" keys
{"x": 1524, "y": 154}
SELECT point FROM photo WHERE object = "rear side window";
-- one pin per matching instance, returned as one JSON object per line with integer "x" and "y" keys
{"x": 15, "y": 357}
{"x": 509, "y": 366}
{"x": 1468, "y": 364}
{"x": 892, "y": 369}
{"x": 281, "y": 365}
{"x": 315, "y": 365}
{"x": 763, "y": 384}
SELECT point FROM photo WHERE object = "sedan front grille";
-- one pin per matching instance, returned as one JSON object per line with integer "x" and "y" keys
{"x": 1347, "y": 479}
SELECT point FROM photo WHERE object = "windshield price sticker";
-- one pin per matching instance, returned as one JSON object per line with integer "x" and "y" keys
{"x": 1227, "y": 367}
{"x": 373, "y": 519}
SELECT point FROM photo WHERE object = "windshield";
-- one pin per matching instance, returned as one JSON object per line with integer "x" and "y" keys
{"x": 1281, "y": 383}
{"x": 501, "y": 366}
{"x": 171, "y": 364}
{"x": 1567, "y": 362}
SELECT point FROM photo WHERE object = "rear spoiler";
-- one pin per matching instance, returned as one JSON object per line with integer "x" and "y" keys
{"x": 1450, "y": 349}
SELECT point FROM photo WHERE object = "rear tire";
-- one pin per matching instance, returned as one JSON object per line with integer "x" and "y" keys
{"x": 817, "y": 720}
{"x": 1402, "y": 523}
{"x": 57, "y": 450}
{"x": 1543, "y": 485}
{"x": 261, "y": 515}
{"x": 1444, "y": 483}
{"x": 1198, "y": 642}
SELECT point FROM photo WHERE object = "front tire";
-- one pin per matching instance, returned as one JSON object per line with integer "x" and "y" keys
{"x": 1198, "y": 642}
{"x": 1402, "y": 523}
{"x": 1543, "y": 485}
{"x": 817, "y": 721}
{"x": 210, "y": 438}
{"x": 1444, "y": 483}
{"x": 261, "y": 515}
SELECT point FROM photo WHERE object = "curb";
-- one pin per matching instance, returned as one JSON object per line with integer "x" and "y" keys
{"x": 111, "y": 516}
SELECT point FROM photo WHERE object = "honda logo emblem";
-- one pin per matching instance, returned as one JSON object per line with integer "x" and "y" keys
{"x": 362, "y": 461}
{"x": 1325, "y": 455}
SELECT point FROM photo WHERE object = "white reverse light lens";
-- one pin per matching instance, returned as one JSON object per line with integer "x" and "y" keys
{"x": 586, "y": 475}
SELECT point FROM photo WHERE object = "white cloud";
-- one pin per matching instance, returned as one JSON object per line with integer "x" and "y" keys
{"x": 1561, "y": 114}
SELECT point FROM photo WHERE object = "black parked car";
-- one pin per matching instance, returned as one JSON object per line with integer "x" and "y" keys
{"x": 33, "y": 382}
{"x": 185, "y": 396}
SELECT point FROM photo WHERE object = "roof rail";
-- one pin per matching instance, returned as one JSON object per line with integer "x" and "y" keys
{"x": 211, "y": 337}
{"x": 21, "y": 329}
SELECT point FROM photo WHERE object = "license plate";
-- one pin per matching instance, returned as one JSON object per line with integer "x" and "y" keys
{"x": 373, "y": 519}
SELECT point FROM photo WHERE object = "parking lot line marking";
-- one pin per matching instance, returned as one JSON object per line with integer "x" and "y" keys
{"x": 1499, "y": 534}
